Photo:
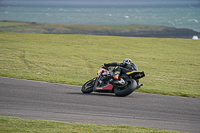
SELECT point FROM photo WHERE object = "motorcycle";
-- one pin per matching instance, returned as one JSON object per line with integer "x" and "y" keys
{"x": 127, "y": 83}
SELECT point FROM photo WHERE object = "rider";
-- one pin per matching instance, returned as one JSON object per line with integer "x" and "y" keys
{"x": 126, "y": 66}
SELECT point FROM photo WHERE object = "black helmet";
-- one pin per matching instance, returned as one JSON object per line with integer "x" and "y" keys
{"x": 127, "y": 61}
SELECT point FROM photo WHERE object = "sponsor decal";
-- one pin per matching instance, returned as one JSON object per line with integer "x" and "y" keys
{"x": 107, "y": 87}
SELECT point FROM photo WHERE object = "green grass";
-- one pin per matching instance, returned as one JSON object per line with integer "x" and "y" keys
{"x": 12, "y": 124}
{"x": 171, "y": 65}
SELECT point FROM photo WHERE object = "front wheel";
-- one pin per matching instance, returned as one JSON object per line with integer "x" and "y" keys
{"x": 128, "y": 89}
{"x": 88, "y": 86}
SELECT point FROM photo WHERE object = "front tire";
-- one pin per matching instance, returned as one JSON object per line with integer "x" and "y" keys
{"x": 88, "y": 86}
{"x": 128, "y": 89}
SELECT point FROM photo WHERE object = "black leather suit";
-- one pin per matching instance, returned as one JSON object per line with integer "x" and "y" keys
{"x": 122, "y": 67}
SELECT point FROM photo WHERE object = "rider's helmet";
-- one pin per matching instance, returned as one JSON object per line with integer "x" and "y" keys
{"x": 127, "y": 61}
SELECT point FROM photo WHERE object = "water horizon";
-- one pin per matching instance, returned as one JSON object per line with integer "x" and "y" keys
{"x": 171, "y": 13}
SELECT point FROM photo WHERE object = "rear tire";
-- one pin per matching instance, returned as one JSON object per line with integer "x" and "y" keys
{"x": 128, "y": 89}
{"x": 88, "y": 86}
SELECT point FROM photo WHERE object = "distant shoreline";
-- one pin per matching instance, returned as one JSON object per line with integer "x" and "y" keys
{"x": 109, "y": 30}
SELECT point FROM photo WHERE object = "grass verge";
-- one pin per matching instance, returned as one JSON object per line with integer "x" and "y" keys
{"x": 171, "y": 65}
{"x": 17, "y": 125}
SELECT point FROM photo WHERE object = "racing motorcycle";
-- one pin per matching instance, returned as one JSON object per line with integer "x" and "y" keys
{"x": 127, "y": 83}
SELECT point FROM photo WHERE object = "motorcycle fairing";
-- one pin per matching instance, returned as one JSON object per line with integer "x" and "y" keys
{"x": 136, "y": 74}
{"x": 107, "y": 87}
{"x": 102, "y": 71}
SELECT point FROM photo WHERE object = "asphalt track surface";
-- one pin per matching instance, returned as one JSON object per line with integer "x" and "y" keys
{"x": 48, "y": 101}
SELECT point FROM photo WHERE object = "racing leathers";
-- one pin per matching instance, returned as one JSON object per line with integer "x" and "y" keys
{"x": 120, "y": 68}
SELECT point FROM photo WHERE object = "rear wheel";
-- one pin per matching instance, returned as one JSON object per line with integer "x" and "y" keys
{"x": 128, "y": 89}
{"x": 88, "y": 86}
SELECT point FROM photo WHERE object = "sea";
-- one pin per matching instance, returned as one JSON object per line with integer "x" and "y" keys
{"x": 171, "y": 13}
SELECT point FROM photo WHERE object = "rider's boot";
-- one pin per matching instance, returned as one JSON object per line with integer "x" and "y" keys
{"x": 120, "y": 81}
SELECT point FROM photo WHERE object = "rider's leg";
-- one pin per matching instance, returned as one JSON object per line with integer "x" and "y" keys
{"x": 117, "y": 73}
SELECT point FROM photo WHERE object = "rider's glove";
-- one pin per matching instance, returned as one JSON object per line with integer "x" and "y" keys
{"x": 106, "y": 64}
